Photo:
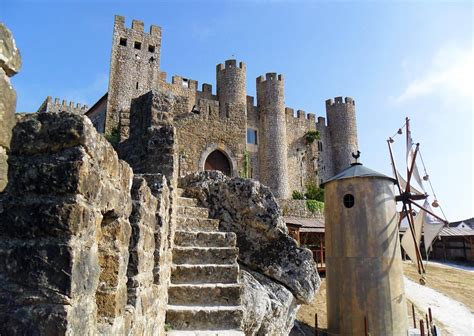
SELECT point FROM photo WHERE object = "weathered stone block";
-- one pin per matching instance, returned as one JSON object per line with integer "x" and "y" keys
{"x": 3, "y": 168}
{"x": 44, "y": 266}
{"x": 64, "y": 228}
{"x": 10, "y": 59}
{"x": 7, "y": 108}
{"x": 44, "y": 319}
{"x": 41, "y": 218}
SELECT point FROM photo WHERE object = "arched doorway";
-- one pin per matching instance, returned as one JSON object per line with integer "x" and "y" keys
{"x": 218, "y": 161}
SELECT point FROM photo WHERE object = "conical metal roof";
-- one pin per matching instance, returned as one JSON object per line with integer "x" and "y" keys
{"x": 357, "y": 170}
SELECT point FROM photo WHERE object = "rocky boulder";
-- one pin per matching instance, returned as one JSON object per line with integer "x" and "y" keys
{"x": 270, "y": 308}
{"x": 10, "y": 63}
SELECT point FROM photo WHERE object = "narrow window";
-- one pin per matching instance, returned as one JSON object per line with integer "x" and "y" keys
{"x": 136, "y": 86}
{"x": 320, "y": 146}
{"x": 348, "y": 200}
{"x": 151, "y": 48}
{"x": 252, "y": 136}
{"x": 137, "y": 45}
{"x": 123, "y": 41}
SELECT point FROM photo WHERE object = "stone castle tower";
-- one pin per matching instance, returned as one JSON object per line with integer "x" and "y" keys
{"x": 342, "y": 130}
{"x": 134, "y": 68}
{"x": 231, "y": 87}
{"x": 227, "y": 130}
{"x": 274, "y": 160}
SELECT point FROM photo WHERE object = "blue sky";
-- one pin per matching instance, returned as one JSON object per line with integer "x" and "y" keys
{"x": 396, "y": 59}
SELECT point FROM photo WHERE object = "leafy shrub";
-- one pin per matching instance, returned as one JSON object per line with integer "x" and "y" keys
{"x": 315, "y": 206}
{"x": 314, "y": 193}
{"x": 311, "y": 136}
{"x": 114, "y": 136}
{"x": 297, "y": 195}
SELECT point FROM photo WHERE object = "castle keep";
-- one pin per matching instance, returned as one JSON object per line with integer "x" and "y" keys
{"x": 227, "y": 130}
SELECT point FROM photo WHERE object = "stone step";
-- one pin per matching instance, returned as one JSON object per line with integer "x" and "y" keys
{"x": 204, "y": 274}
{"x": 204, "y": 294}
{"x": 202, "y": 318}
{"x": 193, "y": 212}
{"x": 204, "y": 239}
{"x": 186, "y": 201}
{"x": 180, "y": 192}
{"x": 205, "y": 255}
{"x": 197, "y": 224}
{"x": 205, "y": 333}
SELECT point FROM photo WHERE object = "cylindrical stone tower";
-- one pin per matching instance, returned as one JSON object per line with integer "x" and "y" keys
{"x": 341, "y": 119}
{"x": 273, "y": 140}
{"x": 363, "y": 264}
{"x": 231, "y": 88}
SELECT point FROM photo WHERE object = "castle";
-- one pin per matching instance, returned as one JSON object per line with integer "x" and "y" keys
{"x": 228, "y": 130}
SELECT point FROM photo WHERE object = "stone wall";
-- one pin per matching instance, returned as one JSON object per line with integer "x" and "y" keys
{"x": 208, "y": 131}
{"x": 79, "y": 247}
{"x": 151, "y": 147}
{"x": 10, "y": 63}
{"x": 50, "y": 105}
{"x": 325, "y": 162}
{"x": 298, "y": 208}
{"x": 302, "y": 156}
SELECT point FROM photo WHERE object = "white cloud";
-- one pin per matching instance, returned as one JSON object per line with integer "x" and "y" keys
{"x": 451, "y": 73}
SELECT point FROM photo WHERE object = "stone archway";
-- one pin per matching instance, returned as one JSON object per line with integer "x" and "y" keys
{"x": 218, "y": 161}
{"x": 218, "y": 157}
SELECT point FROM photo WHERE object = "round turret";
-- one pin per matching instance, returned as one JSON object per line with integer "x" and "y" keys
{"x": 231, "y": 87}
{"x": 273, "y": 140}
{"x": 341, "y": 119}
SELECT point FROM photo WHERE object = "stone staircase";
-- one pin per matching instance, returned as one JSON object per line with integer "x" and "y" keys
{"x": 204, "y": 294}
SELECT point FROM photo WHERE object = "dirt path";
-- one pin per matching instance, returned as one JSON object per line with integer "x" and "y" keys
{"x": 454, "y": 283}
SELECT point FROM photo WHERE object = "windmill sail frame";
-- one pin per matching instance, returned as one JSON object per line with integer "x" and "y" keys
{"x": 408, "y": 197}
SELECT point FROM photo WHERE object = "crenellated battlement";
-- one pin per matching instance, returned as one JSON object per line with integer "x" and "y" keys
{"x": 184, "y": 82}
{"x": 301, "y": 115}
{"x": 62, "y": 106}
{"x": 207, "y": 88}
{"x": 340, "y": 100}
{"x": 251, "y": 101}
{"x": 137, "y": 26}
{"x": 270, "y": 76}
{"x": 230, "y": 64}
{"x": 321, "y": 121}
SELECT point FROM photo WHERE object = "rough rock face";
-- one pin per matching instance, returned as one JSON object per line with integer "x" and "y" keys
{"x": 64, "y": 228}
{"x": 10, "y": 63}
{"x": 249, "y": 209}
{"x": 10, "y": 59}
{"x": 270, "y": 308}
{"x": 78, "y": 248}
